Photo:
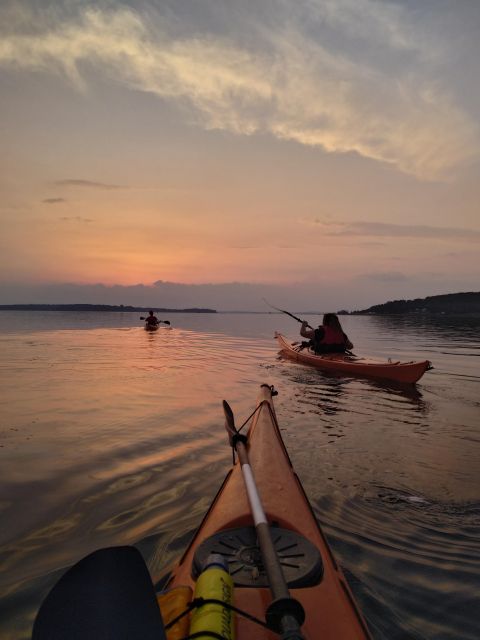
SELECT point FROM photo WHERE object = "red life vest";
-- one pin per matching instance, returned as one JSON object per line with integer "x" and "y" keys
{"x": 333, "y": 340}
{"x": 332, "y": 336}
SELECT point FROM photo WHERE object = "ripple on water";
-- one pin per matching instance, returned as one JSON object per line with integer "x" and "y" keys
{"x": 418, "y": 560}
{"x": 121, "y": 440}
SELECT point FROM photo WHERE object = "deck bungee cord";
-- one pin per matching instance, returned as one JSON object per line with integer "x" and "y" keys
{"x": 200, "y": 602}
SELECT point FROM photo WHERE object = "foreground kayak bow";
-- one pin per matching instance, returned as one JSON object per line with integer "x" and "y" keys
{"x": 407, "y": 372}
{"x": 312, "y": 576}
{"x": 286, "y": 583}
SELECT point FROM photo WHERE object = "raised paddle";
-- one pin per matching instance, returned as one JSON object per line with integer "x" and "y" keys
{"x": 284, "y": 614}
{"x": 287, "y": 312}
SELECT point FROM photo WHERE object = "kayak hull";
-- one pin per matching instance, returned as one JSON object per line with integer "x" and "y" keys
{"x": 403, "y": 372}
{"x": 330, "y": 609}
{"x": 151, "y": 327}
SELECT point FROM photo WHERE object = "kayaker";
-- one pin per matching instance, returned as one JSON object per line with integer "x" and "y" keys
{"x": 151, "y": 320}
{"x": 329, "y": 337}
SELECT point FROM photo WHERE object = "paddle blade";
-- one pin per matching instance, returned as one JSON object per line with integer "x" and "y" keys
{"x": 166, "y": 321}
{"x": 229, "y": 422}
{"x": 108, "y": 594}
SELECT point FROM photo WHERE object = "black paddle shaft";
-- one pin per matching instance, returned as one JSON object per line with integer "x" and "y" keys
{"x": 159, "y": 321}
{"x": 287, "y": 313}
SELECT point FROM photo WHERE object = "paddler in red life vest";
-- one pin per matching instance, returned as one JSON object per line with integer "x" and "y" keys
{"x": 329, "y": 337}
{"x": 151, "y": 320}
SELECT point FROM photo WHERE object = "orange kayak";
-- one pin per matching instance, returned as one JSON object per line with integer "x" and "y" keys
{"x": 408, "y": 372}
{"x": 311, "y": 572}
{"x": 156, "y": 327}
{"x": 258, "y": 567}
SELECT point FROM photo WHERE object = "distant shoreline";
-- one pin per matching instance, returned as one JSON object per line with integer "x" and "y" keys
{"x": 98, "y": 307}
{"x": 456, "y": 303}
{"x": 452, "y": 303}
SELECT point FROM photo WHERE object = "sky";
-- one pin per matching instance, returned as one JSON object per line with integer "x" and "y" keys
{"x": 322, "y": 153}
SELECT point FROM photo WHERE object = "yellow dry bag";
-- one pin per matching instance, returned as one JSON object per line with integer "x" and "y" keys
{"x": 215, "y": 583}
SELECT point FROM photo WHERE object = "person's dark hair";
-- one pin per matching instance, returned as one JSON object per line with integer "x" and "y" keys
{"x": 331, "y": 320}
{"x": 151, "y": 313}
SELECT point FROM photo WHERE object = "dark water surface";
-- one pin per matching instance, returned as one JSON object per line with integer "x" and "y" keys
{"x": 110, "y": 435}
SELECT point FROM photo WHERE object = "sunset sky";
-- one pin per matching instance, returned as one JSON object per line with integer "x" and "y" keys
{"x": 211, "y": 152}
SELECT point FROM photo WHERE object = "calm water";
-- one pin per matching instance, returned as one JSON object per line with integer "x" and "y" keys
{"x": 110, "y": 435}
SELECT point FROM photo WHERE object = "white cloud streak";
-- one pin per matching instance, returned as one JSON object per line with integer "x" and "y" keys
{"x": 346, "y": 76}
{"x": 89, "y": 184}
{"x": 388, "y": 230}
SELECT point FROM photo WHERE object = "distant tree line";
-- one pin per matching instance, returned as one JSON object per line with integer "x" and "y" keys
{"x": 97, "y": 307}
{"x": 448, "y": 303}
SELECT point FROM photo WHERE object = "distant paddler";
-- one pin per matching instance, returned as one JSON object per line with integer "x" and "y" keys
{"x": 152, "y": 322}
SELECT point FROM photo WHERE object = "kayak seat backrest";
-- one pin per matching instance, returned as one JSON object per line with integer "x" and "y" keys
{"x": 300, "y": 559}
{"x": 108, "y": 594}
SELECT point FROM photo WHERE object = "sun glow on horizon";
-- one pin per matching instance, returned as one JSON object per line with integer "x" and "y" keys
{"x": 330, "y": 142}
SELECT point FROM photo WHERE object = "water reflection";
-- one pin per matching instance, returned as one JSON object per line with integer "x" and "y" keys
{"x": 339, "y": 392}
{"x": 459, "y": 329}
{"x": 428, "y": 554}
{"x": 120, "y": 439}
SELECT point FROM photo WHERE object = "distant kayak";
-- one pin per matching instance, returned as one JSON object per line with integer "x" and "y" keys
{"x": 156, "y": 327}
{"x": 407, "y": 372}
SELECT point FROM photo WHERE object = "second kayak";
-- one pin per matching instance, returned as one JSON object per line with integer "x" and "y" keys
{"x": 407, "y": 372}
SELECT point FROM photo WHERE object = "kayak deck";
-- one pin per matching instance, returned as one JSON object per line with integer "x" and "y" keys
{"x": 330, "y": 609}
{"x": 405, "y": 372}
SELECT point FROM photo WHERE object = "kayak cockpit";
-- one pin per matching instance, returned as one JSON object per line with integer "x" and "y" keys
{"x": 300, "y": 560}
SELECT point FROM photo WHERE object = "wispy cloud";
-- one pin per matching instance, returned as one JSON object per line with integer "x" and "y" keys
{"x": 387, "y": 230}
{"x": 76, "y": 219}
{"x": 346, "y": 76}
{"x": 87, "y": 183}
{"x": 388, "y": 276}
{"x": 53, "y": 200}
